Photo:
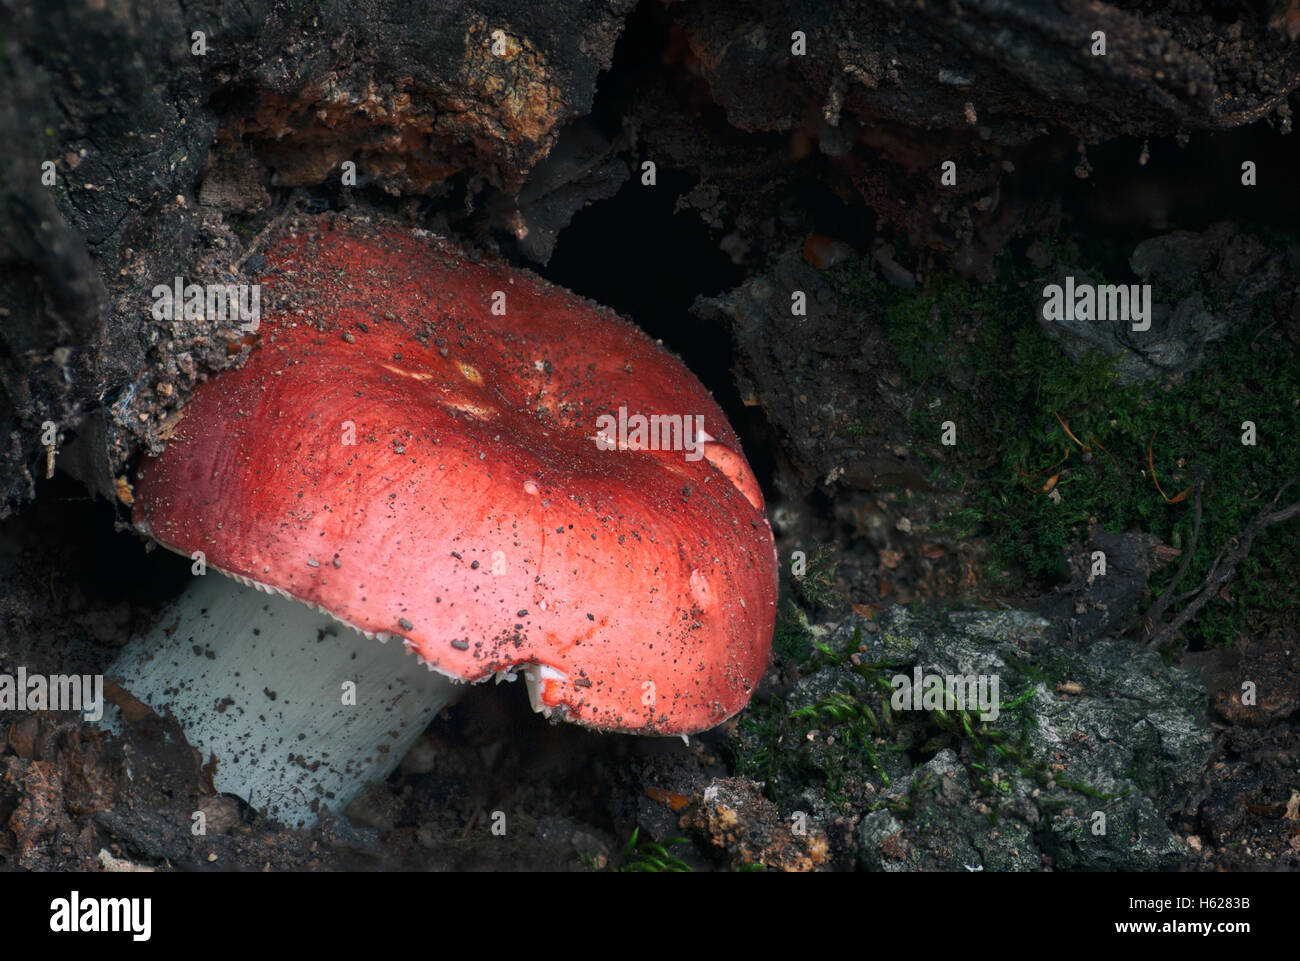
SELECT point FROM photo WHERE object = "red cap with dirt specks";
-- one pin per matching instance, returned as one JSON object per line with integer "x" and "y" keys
{"x": 490, "y": 467}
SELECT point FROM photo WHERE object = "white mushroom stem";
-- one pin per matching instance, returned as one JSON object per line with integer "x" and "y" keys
{"x": 300, "y": 711}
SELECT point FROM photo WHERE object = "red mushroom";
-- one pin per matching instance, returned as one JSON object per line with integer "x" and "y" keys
{"x": 464, "y": 456}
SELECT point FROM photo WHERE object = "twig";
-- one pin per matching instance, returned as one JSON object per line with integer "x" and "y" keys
{"x": 1226, "y": 564}
{"x": 273, "y": 224}
{"x": 1155, "y": 614}
{"x": 1251, "y": 114}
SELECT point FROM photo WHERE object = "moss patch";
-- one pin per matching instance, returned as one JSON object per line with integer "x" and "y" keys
{"x": 972, "y": 354}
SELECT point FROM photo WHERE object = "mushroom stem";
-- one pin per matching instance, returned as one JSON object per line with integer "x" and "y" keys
{"x": 299, "y": 710}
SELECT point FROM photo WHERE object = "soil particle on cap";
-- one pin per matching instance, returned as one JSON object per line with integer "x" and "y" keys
{"x": 460, "y": 645}
{"x": 404, "y": 624}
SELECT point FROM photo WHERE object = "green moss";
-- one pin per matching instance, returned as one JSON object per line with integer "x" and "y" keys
{"x": 772, "y": 746}
{"x": 647, "y": 855}
{"x": 973, "y": 354}
{"x": 816, "y": 585}
{"x": 873, "y": 745}
{"x": 792, "y": 641}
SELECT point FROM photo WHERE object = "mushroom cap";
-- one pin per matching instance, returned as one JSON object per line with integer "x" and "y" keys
{"x": 399, "y": 455}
